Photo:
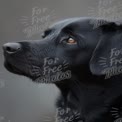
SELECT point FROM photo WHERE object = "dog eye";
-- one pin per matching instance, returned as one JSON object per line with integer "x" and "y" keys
{"x": 71, "y": 41}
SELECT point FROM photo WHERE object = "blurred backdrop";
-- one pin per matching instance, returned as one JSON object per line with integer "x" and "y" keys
{"x": 20, "y": 99}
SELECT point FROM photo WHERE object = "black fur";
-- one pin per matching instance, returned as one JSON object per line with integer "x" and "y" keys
{"x": 87, "y": 94}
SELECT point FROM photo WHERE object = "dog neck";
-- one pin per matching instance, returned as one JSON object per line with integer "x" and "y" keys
{"x": 92, "y": 98}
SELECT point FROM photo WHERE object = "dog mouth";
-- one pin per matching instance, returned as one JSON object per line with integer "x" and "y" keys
{"x": 18, "y": 71}
{"x": 12, "y": 68}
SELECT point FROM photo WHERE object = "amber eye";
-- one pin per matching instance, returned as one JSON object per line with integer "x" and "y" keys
{"x": 71, "y": 41}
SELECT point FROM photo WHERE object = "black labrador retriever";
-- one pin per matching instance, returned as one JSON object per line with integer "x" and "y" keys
{"x": 83, "y": 59}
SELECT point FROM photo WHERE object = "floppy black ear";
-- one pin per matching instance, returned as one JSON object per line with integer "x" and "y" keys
{"x": 107, "y": 56}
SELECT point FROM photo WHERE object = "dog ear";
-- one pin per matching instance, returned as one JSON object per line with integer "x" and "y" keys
{"x": 107, "y": 56}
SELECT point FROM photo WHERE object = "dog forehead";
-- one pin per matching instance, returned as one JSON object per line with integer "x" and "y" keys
{"x": 83, "y": 22}
{"x": 63, "y": 23}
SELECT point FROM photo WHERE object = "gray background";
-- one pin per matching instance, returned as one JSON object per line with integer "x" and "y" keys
{"x": 20, "y": 99}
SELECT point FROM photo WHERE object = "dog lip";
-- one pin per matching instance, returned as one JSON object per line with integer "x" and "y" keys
{"x": 12, "y": 68}
{"x": 9, "y": 66}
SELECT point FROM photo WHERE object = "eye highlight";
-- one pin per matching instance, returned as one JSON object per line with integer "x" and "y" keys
{"x": 71, "y": 41}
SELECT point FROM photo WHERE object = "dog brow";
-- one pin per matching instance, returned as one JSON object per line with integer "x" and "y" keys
{"x": 46, "y": 32}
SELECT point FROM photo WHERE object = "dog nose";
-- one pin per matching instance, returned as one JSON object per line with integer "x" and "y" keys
{"x": 11, "y": 47}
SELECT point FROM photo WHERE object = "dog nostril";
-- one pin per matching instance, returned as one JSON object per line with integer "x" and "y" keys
{"x": 11, "y": 47}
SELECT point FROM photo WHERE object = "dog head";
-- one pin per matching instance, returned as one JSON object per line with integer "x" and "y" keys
{"x": 72, "y": 47}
